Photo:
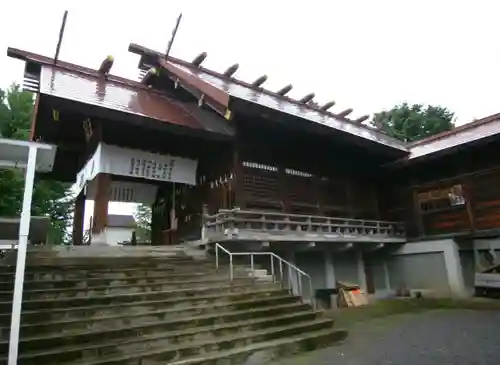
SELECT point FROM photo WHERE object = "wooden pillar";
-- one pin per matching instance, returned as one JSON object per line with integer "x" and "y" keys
{"x": 103, "y": 191}
{"x": 417, "y": 212}
{"x": 239, "y": 198}
{"x": 33, "y": 117}
{"x": 469, "y": 202}
{"x": 157, "y": 224}
{"x": 351, "y": 209}
{"x": 78, "y": 218}
{"x": 282, "y": 186}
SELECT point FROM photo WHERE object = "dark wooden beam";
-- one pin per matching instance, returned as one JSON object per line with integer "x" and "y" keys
{"x": 328, "y": 105}
{"x": 78, "y": 219}
{"x": 231, "y": 70}
{"x": 306, "y": 99}
{"x": 198, "y": 60}
{"x": 345, "y": 113}
{"x": 103, "y": 191}
{"x": 34, "y": 116}
{"x": 260, "y": 81}
{"x": 361, "y": 119}
{"x": 285, "y": 90}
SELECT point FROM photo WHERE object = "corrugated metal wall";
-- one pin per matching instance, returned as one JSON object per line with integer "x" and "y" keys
{"x": 419, "y": 271}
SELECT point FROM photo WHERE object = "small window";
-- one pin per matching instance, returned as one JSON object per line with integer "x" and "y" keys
{"x": 438, "y": 199}
{"x": 456, "y": 195}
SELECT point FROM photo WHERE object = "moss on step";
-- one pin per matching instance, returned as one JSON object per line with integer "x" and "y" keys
{"x": 162, "y": 350}
{"x": 106, "y": 327}
{"x": 134, "y": 297}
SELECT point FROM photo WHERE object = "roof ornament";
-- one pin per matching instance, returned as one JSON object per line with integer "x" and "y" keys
{"x": 327, "y": 106}
{"x": 231, "y": 70}
{"x": 198, "y": 60}
{"x": 149, "y": 75}
{"x": 361, "y": 119}
{"x": 259, "y": 81}
{"x": 284, "y": 90}
{"x": 306, "y": 99}
{"x": 344, "y": 113}
{"x": 106, "y": 65}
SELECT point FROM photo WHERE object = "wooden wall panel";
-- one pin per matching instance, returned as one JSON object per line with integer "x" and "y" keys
{"x": 364, "y": 200}
{"x": 484, "y": 190}
{"x": 272, "y": 188}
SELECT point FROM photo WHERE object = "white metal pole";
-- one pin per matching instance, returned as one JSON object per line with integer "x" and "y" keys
{"x": 24, "y": 228}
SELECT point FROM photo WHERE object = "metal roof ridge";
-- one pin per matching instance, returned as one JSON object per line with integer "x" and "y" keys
{"x": 136, "y": 48}
{"x": 443, "y": 135}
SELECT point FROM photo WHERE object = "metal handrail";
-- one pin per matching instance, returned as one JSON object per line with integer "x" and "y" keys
{"x": 281, "y": 262}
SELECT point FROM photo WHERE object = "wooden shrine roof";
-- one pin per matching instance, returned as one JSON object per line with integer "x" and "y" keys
{"x": 135, "y": 99}
{"x": 223, "y": 89}
{"x": 87, "y": 86}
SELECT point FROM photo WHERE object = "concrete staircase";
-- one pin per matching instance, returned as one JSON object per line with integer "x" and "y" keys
{"x": 132, "y": 306}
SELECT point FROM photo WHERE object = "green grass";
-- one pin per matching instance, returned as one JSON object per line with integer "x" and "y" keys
{"x": 346, "y": 317}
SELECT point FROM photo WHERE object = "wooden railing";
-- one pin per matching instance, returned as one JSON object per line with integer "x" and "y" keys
{"x": 235, "y": 222}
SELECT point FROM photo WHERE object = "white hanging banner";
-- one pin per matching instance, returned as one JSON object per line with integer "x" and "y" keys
{"x": 151, "y": 166}
{"x": 89, "y": 171}
{"x": 136, "y": 163}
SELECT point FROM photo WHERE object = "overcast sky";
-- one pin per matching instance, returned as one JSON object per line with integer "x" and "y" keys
{"x": 368, "y": 55}
{"x": 365, "y": 54}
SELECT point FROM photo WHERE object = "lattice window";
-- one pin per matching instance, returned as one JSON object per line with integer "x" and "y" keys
{"x": 261, "y": 183}
{"x": 122, "y": 194}
{"x": 151, "y": 169}
{"x": 297, "y": 173}
{"x": 301, "y": 190}
{"x": 255, "y": 165}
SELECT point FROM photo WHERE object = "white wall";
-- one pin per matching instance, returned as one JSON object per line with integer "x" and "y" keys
{"x": 112, "y": 235}
{"x": 433, "y": 265}
{"x": 118, "y": 234}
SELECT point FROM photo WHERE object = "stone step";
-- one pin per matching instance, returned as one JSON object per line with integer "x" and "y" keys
{"x": 163, "y": 349}
{"x": 137, "y": 280}
{"x": 157, "y": 265}
{"x": 169, "y": 320}
{"x": 96, "y": 250}
{"x": 213, "y": 304}
{"x": 179, "y": 294}
{"x": 117, "y": 261}
{"x": 164, "y": 330}
{"x": 262, "y": 352}
{"x": 39, "y": 294}
{"x": 105, "y": 273}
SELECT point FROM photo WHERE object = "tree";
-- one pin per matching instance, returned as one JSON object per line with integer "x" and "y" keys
{"x": 142, "y": 217}
{"x": 50, "y": 198}
{"x": 412, "y": 123}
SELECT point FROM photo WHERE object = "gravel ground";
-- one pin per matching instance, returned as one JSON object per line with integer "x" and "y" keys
{"x": 454, "y": 337}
